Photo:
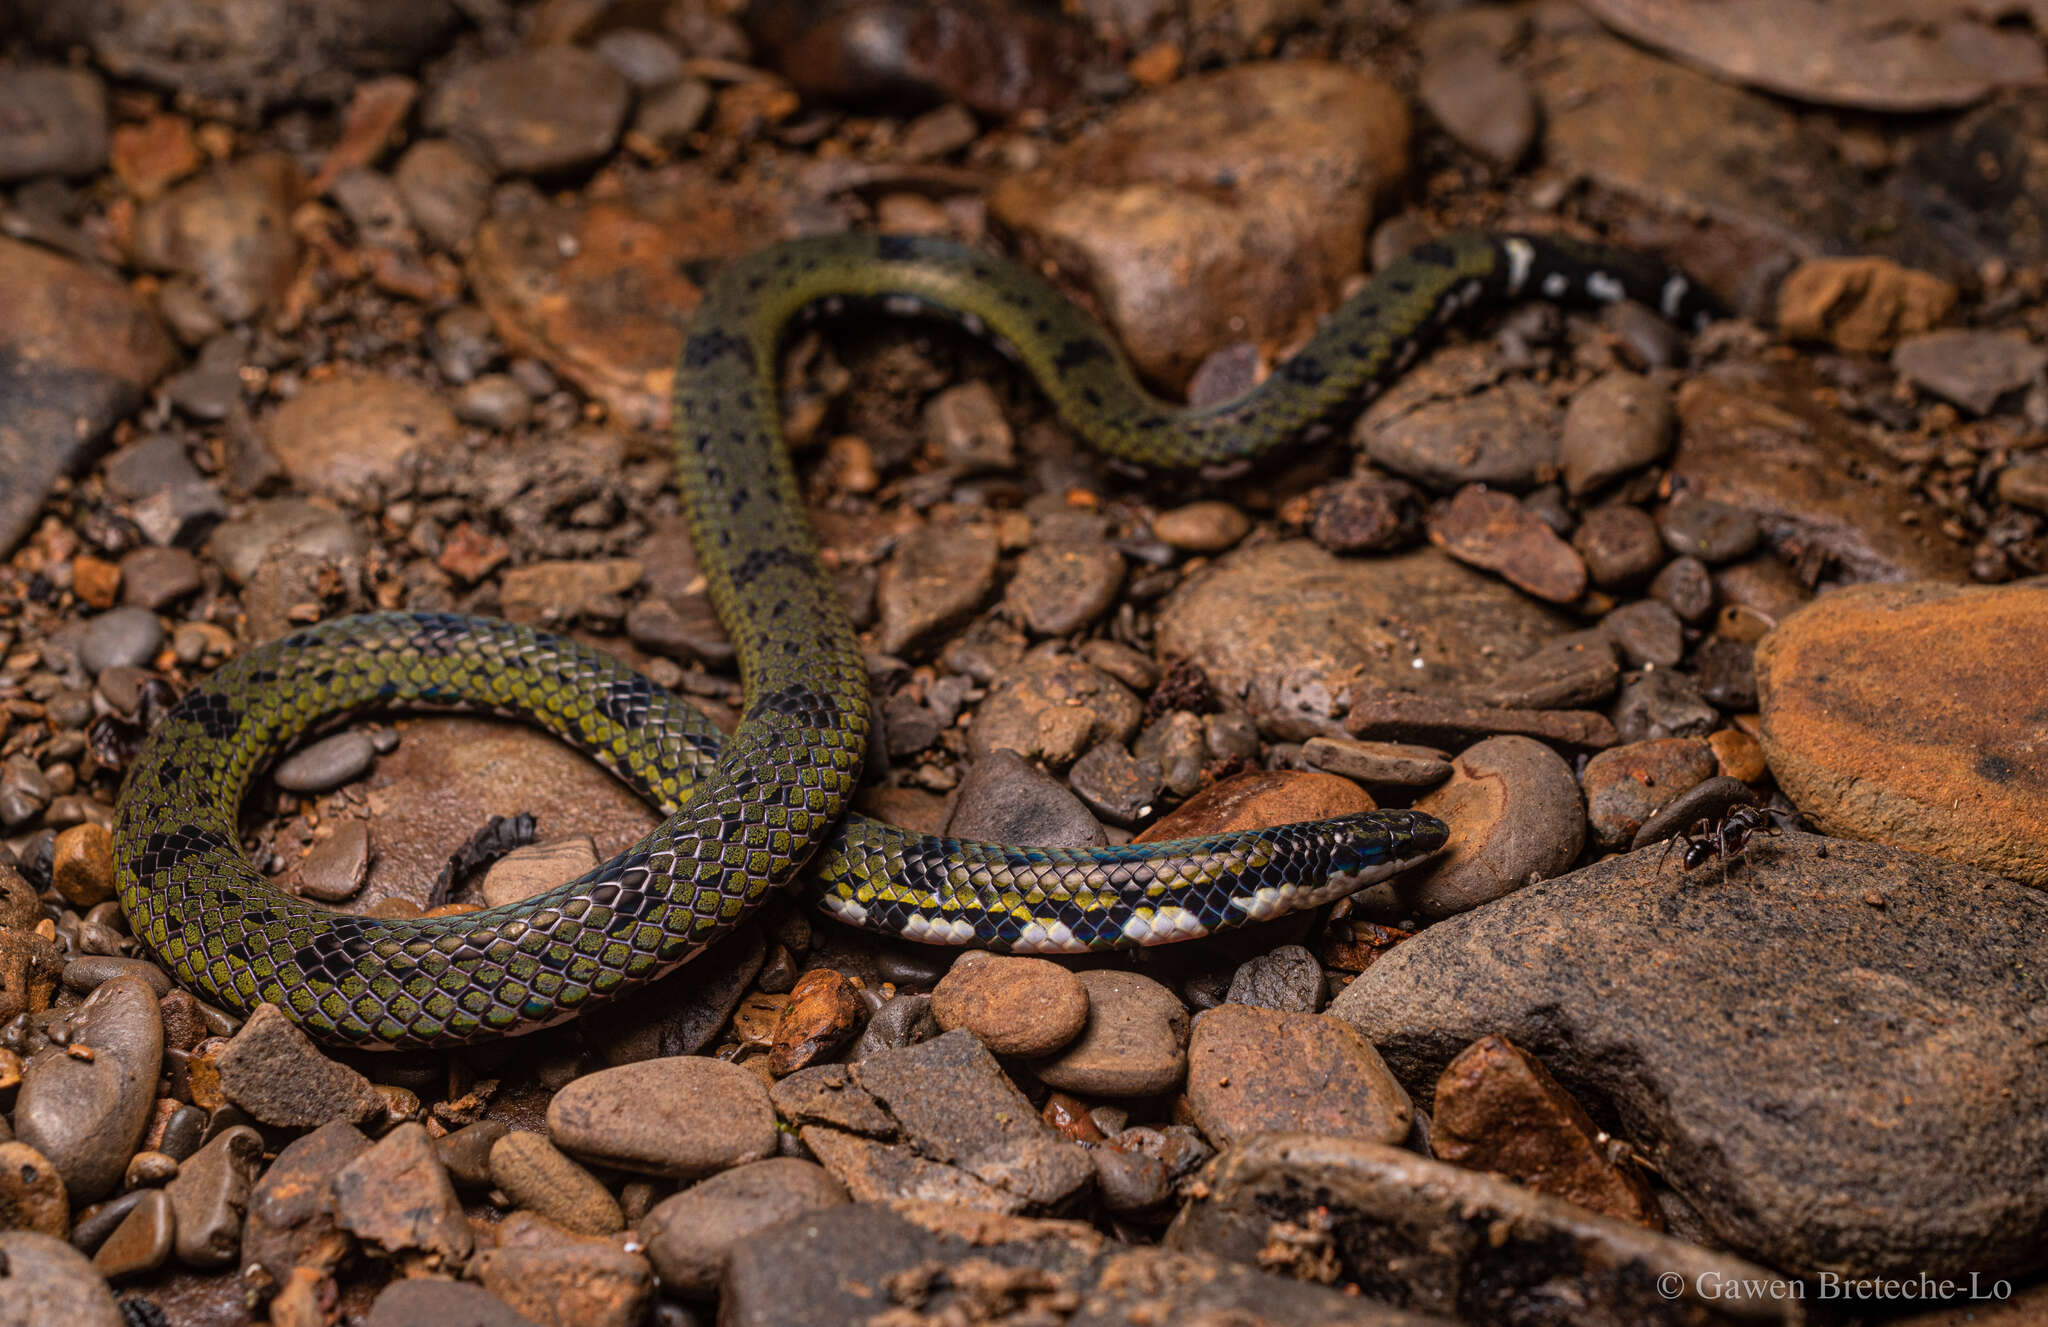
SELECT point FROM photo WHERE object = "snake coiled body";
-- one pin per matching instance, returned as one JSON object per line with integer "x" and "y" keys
{"x": 747, "y": 813}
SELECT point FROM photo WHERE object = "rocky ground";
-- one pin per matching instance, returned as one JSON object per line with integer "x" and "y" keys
{"x": 310, "y": 309}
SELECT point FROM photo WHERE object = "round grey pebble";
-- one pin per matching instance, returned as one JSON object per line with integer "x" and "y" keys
{"x": 327, "y": 764}
{"x": 121, "y": 637}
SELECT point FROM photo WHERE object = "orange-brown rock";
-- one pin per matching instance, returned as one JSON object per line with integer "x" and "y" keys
{"x": 1911, "y": 715}
{"x": 1861, "y": 304}
{"x": 1258, "y": 799}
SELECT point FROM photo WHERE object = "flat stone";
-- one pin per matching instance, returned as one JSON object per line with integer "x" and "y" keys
{"x": 1619, "y": 545}
{"x": 121, "y": 638}
{"x": 1117, "y": 786}
{"x": 933, "y": 582}
{"x": 273, "y": 1071}
{"x": 327, "y": 764}
{"x": 1134, "y": 1044}
{"x": 352, "y": 437}
{"x": 1306, "y": 148}
{"x": 691, "y": 1236}
{"x": 1432, "y": 1238}
{"x": 142, "y": 1242}
{"x": 210, "y": 1197}
{"x": 337, "y": 865}
{"x": 1515, "y": 815}
{"x": 1290, "y": 626}
{"x": 1760, "y": 438}
{"x": 1904, "y": 714}
{"x": 1055, "y": 709}
{"x": 1800, "y": 1053}
{"x": 1061, "y": 587}
{"x": 556, "y": 594}
{"x": 1366, "y": 515}
{"x": 1970, "y": 366}
{"x": 1410, "y": 717}
{"x": 1201, "y": 527}
{"x": 86, "y": 1113}
{"x": 1012, "y": 1005}
{"x": 82, "y": 350}
{"x": 1378, "y": 764}
{"x": 1479, "y": 100}
{"x": 55, "y": 123}
{"x": 1257, "y": 800}
{"x": 537, "y": 868}
{"x": 1253, "y": 1071}
{"x": 1489, "y": 529}
{"x": 1453, "y": 420}
{"x": 680, "y": 1116}
{"x": 536, "y": 112}
{"x": 587, "y": 1282}
{"x": 398, "y": 1197}
{"x": 1499, "y": 1110}
{"x": 865, "y": 1261}
{"x": 229, "y": 233}
{"x": 48, "y": 1281}
{"x": 291, "y": 1211}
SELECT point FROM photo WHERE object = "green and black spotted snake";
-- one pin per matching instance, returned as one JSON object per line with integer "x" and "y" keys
{"x": 767, "y": 806}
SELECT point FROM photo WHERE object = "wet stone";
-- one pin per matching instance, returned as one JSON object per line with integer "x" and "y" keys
{"x": 1619, "y": 545}
{"x": 398, "y": 1196}
{"x": 1515, "y": 816}
{"x": 1288, "y": 979}
{"x": 1256, "y": 1070}
{"x": 327, "y": 764}
{"x": 1972, "y": 367}
{"x": 538, "y": 112}
{"x": 690, "y": 1237}
{"x": 273, "y": 1071}
{"x": 142, "y": 1242}
{"x": 1618, "y": 424}
{"x": 211, "y": 1195}
{"x": 680, "y": 1116}
{"x": 1489, "y": 529}
{"x": 1013, "y": 1005}
{"x": 1133, "y": 1045}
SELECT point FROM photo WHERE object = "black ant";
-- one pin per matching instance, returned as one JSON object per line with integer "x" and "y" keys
{"x": 1725, "y": 837}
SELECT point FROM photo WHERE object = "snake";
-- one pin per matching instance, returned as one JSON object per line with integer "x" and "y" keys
{"x": 767, "y": 807}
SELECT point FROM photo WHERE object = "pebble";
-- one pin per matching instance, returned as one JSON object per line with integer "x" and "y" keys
{"x": 1726, "y": 673}
{"x": 32, "y": 1194}
{"x": 1710, "y": 800}
{"x": 537, "y": 868}
{"x": 1444, "y": 1237}
{"x": 87, "y": 1115}
{"x": 353, "y": 437}
{"x": 903, "y": 1020}
{"x": 1862, "y": 304}
{"x": 1114, "y": 785}
{"x": 559, "y": 593}
{"x": 466, "y": 1153}
{"x": 1619, "y": 423}
{"x": 933, "y": 582}
{"x": 545, "y": 111}
{"x": 1946, "y": 672}
{"x": 1515, "y": 816}
{"x": 1129, "y": 1181}
{"x": 1258, "y": 799}
{"x": 433, "y": 1303}
{"x": 1013, "y": 1005}
{"x": 587, "y": 1282}
{"x": 966, "y": 423}
{"x": 1972, "y": 367}
{"x": 1649, "y": 634}
{"x": 1054, "y": 708}
{"x": 149, "y": 1169}
{"x": 446, "y": 191}
{"x": 142, "y": 1242}
{"x": 210, "y": 1197}
{"x": 1201, "y": 527}
{"x": 998, "y": 58}
{"x": 1739, "y": 755}
{"x": 327, "y": 764}
{"x": 668, "y": 117}
{"x": 82, "y": 867}
{"x": 1451, "y": 421}
{"x": 291, "y": 1211}
{"x": 1254, "y": 1070}
{"x": 228, "y": 233}
{"x": 273, "y": 1071}
{"x": 1176, "y": 747}
{"x": 537, "y": 1176}
{"x": 1366, "y": 516}
{"x": 690, "y": 1237}
{"x": 121, "y": 637}
{"x": 1497, "y": 1109}
{"x": 1134, "y": 1043}
{"x": 337, "y": 865}
{"x": 957, "y": 1131}
{"x": 1479, "y": 101}
{"x": 493, "y": 401}
{"x": 1710, "y": 531}
{"x": 52, "y": 122}
{"x": 1307, "y": 145}
{"x": 398, "y": 1197}
{"x": 155, "y": 578}
{"x": 680, "y": 1116}
{"x": 1619, "y": 545}
{"x": 1062, "y": 587}
{"x": 1821, "y": 966}
{"x": 1489, "y": 529}
{"x": 1287, "y": 978}
{"x": 1657, "y": 702}
{"x": 825, "y": 1011}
